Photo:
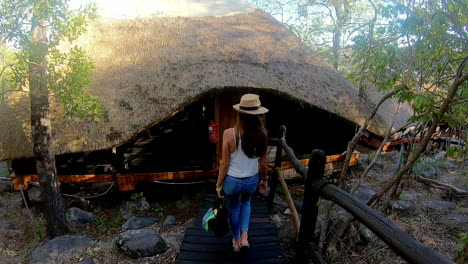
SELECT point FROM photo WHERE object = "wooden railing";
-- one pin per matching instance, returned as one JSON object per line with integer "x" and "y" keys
{"x": 317, "y": 186}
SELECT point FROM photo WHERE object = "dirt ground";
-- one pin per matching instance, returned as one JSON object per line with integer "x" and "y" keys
{"x": 422, "y": 226}
{"x": 18, "y": 240}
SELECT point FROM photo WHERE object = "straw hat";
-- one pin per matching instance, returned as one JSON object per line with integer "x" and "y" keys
{"x": 250, "y": 104}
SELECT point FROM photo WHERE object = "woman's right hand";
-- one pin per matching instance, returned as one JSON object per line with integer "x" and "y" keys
{"x": 263, "y": 186}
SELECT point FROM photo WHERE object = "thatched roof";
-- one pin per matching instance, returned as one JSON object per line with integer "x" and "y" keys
{"x": 145, "y": 69}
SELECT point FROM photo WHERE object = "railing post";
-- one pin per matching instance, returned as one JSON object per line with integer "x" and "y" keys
{"x": 310, "y": 206}
{"x": 273, "y": 183}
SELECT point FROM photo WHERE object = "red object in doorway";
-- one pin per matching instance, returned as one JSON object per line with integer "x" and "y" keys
{"x": 213, "y": 132}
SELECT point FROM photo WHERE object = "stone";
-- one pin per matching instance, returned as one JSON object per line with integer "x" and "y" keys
{"x": 429, "y": 172}
{"x": 5, "y": 186}
{"x": 141, "y": 205}
{"x": 278, "y": 201}
{"x": 366, "y": 233}
{"x": 62, "y": 245}
{"x": 78, "y": 216}
{"x": 170, "y": 221}
{"x": 127, "y": 216}
{"x": 140, "y": 243}
{"x": 407, "y": 196}
{"x": 173, "y": 239}
{"x": 440, "y": 206}
{"x": 137, "y": 222}
{"x": 405, "y": 208}
{"x": 363, "y": 193}
{"x": 287, "y": 211}
{"x": 87, "y": 261}
{"x": 182, "y": 203}
{"x": 277, "y": 219}
{"x": 287, "y": 232}
{"x": 455, "y": 221}
{"x": 298, "y": 204}
{"x": 5, "y": 224}
{"x": 190, "y": 222}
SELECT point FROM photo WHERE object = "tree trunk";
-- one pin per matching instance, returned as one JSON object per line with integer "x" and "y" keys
{"x": 459, "y": 79}
{"x": 54, "y": 211}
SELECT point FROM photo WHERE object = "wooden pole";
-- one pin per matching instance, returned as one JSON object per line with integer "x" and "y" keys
{"x": 273, "y": 183}
{"x": 290, "y": 201}
{"x": 310, "y": 204}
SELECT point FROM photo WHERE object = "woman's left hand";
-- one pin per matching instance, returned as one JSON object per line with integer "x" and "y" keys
{"x": 263, "y": 186}
{"x": 220, "y": 192}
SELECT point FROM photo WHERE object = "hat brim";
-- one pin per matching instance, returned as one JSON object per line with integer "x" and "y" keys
{"x": 261, "y": 110}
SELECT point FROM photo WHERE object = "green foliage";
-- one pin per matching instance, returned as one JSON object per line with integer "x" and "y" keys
{"x": 39, "y": 229}
{"x": 158, "y": 212}
{"x": 102, "y": 224}
{"x": 67, "y": 68}
{"x": 463, "y": 240}
{"x": 138, "y": 197}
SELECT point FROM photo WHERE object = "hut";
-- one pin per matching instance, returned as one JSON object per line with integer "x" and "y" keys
{"x": 164, "y": 77}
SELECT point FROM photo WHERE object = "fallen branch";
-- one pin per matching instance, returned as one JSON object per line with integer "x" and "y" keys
{"x": 442, "y": 186}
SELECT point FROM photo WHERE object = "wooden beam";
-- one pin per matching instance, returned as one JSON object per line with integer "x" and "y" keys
{"x": 125, "y": 181}
{"x": 290, "y": 201}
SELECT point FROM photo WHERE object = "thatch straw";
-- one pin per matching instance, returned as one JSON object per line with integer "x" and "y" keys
{"x": 145, "y": 69}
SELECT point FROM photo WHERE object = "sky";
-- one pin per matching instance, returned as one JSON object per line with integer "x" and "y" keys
{"x": 145, "y": 8}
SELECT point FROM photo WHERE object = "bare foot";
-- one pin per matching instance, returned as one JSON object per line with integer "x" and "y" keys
{"x": 244, "y": 240}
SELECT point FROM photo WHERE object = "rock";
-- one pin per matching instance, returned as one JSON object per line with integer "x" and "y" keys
{"x": 140, "y": 243}
{"x": 429, "y": 172}
{"x": 170, "y": 221}
{"x": 141, "y": 205}
{"x": 173, "y": 239}
{"x": 190, "y": 222}
{"x": 88, "y": 261}
{"x": 454, "y": 220}
{"x": 137, "y": 222}
{"x": 127, "y": 216}
{"x": 407, "y": 196}
{"x": 440, "y": 205}
{"x": 287, "y": 211}
{"x": 363, "y": 193}
{"x": 182, "y": 203}
{"x": 5, "y": 186}
{"x": 278, "y": 201}
{"x": 298, "y": 204}
{"x": 63, "y": 245}
{"x": 367, "y": 235}
{"x": 406, "y": 208}
{"x": 287, "y": 232}
{"x": 5, "y": 224}
{"x": 277, "y": 219}
{"x": 76, "y": 215}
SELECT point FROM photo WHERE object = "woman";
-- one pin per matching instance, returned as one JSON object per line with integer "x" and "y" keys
{"x": 243, "y": 165}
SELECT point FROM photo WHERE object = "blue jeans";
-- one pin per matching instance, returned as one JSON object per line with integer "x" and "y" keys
{"x": 238, "y": 193}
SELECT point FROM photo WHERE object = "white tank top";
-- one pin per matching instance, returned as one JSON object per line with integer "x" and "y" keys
{"x": 240, "y": 165}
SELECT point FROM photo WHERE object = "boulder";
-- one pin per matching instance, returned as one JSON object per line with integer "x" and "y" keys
{"x": 170, "y": 221}
{"x": 429, "y": 172}
{"x": 440, "y": 206}
{"x": 287, "y": 211}
{"x": 138, "y": 222}
{"x": 87, "y": 261}
{"x": 190, "y": 222}
{"x": 402, "y": 207}
{"x": 141, "y": 205}
{"x": 173, "y": 239}
{"x": 363, "y": 193}
{"x": 298, "y": 204}
{"x": 455, "y": 221}
{"x": 277, "y": 219}
{"x": 140, "y": 243}
{"x": 5, "y": 224}
{"x": 278, "y": 201}
{"x": 76, "y": 215}
{"x": 5, "y": 186}
{"x": 63, "y": 245}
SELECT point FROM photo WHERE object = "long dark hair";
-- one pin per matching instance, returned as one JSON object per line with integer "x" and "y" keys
{"x": 253, "y": 134}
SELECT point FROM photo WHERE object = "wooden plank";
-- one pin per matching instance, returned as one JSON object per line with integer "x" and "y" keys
{"x": 252, "y": 254}
{"x": 223, "y": 247}
{"x": 252, "y": 232}
{"x": 216, "y": 240}
{"x": 259, "y": 226}
{"x": 330, "y": 159}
